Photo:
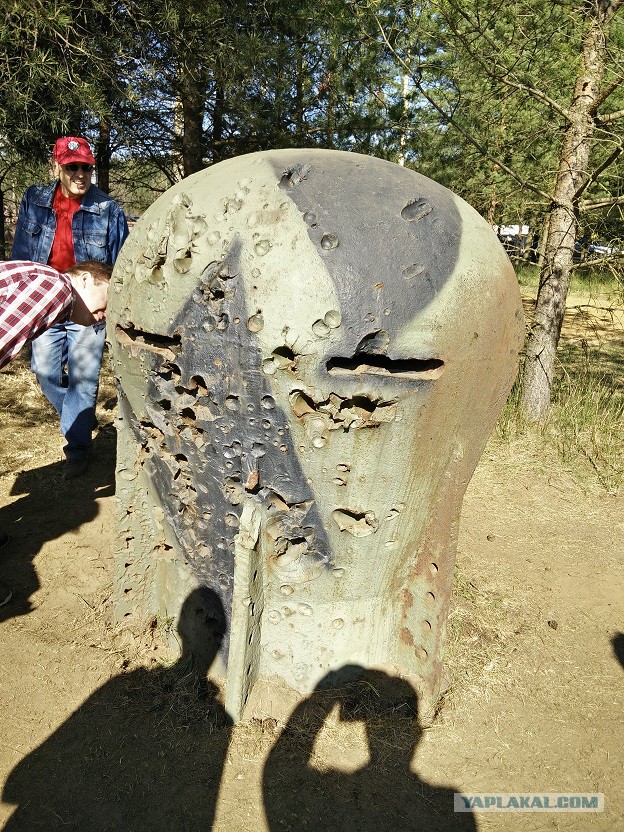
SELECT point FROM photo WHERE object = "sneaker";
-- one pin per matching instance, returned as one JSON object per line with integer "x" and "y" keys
{"x": 74, "y": 468}
{"x": 5, "y": 594}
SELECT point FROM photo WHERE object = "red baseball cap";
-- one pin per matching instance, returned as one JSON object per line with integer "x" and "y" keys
{"x": 70, "y": 149}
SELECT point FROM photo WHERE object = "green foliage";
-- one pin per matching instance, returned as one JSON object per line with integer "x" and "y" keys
{"x": 444, "y": 86}
{"x": 43, "y": 47}
{"x": 585, "y": 423}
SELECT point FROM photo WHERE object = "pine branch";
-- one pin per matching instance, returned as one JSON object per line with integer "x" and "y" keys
{"x": 608, "y": 118}
{"x": 503, "y": 74}
{"x": 617, "y": 151}
{"x": 598, "y": 204}
{"x": 450, "y": 119}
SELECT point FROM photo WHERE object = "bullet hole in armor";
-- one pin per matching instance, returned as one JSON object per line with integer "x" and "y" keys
{"x": 252, "y": 485}
{"x": 333, "y": 319}
{"x": 416, "y": 210}
{"x": 296, "y": 553}
{"x": 256, "y": 322}
{"x": 380, "y": 365}
{"x": 320, "y": 329}
{"x": 197, "y": 382}
{"x": 137, "y": 340}
{"x": 329, "y": 242}
{"x": 233, "y": 490}
{"x": 232, "y": 403}
{"x": 284, "y": 358}
{"x": 294, "y": 176}
{"x": 183, "y": 264}
{"x": 415, "y": 270}
{"x": 359, "y": 524}
{"x": 375, "y": 343}
{"x": 336, "y": 412}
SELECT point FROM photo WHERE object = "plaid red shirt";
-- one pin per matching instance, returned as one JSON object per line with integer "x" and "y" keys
{"x": 32, "y": 298}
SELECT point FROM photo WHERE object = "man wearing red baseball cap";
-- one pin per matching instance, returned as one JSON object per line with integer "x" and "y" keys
{"x": 69, "y": 149}
{"x": 70, "y": 220}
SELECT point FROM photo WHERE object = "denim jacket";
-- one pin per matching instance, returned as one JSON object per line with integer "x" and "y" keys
{"x": 99, "y": 226}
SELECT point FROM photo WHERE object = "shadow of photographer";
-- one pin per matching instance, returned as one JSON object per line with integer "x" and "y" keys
{"x": 47, "y": 508}
{"x": 385, "y": 793}
{"x": 617, "y": 643}
{"x": 144, "y": 752}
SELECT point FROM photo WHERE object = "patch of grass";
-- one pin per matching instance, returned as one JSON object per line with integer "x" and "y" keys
{"x": 585, "y": 423}
{"x": 482, "y": 633}
{"x": 591, "y": 280}
{"x": 585, "y": 426}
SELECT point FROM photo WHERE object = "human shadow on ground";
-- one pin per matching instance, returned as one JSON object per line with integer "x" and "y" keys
{"x": 144, "y": 753}
{"x": 383, "y": 795}
{"x": 48, "y": 508}
{"x": 618, "y": 647}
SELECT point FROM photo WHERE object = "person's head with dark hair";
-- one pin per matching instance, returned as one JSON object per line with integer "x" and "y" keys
{"x": 90, "y": 281}
{"x": 99, "y": 271}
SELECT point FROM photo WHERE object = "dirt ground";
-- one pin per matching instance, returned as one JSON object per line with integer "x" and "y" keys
{"x": 99, "y": 730}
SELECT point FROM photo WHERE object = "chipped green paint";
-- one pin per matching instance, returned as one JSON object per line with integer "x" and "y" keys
{"x": 312, "y": 348}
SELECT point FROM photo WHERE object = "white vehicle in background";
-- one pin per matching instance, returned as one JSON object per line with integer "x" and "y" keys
{"x": 600, "y": 248}
{"x": 518, "y": 240}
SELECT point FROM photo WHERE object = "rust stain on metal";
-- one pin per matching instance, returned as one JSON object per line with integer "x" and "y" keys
{"x": 406, "y": 637}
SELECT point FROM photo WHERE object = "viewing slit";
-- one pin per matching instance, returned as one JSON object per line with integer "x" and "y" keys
{"x": 381, "y": 365}
{"x": 167, "y": 346}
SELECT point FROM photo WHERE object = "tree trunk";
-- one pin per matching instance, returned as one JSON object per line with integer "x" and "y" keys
{"x": 193, "y": 108}
{"x": 218, "y": 112}
{"x": 404, "y": 119}
{"x": 563, "y": 217}
{"x": 103, "y": 155}
{"x": 542, "y": 242}
{"x": 2, "y": 225}
{"x": 299, "y": 125}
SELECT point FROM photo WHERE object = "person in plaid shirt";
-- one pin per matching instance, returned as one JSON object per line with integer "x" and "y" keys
{"x": 33, "y": 297}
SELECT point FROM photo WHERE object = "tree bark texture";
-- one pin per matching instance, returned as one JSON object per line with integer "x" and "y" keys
{"x": 2, "y": 225}
{"x": 103, "y": 155}
{"x": 563, "y": 216}
{"x": 218, "y": 123}
{"x": 193, "y": 108}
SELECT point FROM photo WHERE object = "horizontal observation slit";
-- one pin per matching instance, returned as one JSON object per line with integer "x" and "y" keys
{"x": 164, "y": 345}
{"x": 381, "y": 365}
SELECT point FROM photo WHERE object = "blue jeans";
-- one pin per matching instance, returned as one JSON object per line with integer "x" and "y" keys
{"x": 66, "y": 360}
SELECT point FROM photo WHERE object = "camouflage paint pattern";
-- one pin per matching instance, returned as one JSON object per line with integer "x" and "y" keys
{"x": 312, "y": 348}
